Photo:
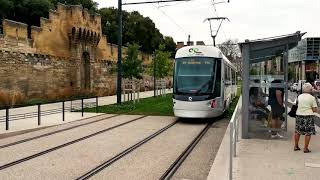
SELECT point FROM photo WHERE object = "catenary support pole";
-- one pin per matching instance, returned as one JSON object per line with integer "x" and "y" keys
{"x": 119, "y": 51}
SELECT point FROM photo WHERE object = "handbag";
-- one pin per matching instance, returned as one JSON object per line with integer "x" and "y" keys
{"x": 293, "y": 111}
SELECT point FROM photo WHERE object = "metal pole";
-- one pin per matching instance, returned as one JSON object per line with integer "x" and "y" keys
{"x": 7, "y": 118}
{"x": 119, "y": 51}
{"x": 245, "y": 90}
{"x": 286, "y": 55}
{"x": 154, "y": 75}
{"x": 235, "y": 136}
{"x": 230, "y": 152}
{"x": 39, "y": 114}
{"x": 96, "y": 104}
{"x": 82, "y": 107}
{"x": 63, "y": 111}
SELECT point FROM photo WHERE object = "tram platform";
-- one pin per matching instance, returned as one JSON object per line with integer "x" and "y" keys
{"x": 269, "y": 158}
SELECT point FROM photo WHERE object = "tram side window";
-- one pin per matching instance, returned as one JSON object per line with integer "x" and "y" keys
{"x": 217, "y": 88}
{"x": 225, "y": 73}
{"x": 233, "y": 77}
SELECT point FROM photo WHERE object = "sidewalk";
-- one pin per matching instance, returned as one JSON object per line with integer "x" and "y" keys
{"x": 56, "y": 119}
{"x": 272, "y": 159}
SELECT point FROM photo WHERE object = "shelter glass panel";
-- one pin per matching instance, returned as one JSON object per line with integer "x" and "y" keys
{"x": 267, "y": 97}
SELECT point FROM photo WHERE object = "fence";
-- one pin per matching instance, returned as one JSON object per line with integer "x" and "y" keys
{"x": 234, "y": 134}
{"x": 160, "y": 87}
{"x": 131, "y": 88}
{"x": 74, "y": 106}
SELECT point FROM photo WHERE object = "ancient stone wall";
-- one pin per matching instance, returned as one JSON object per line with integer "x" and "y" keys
{"x": 67, "y": 51}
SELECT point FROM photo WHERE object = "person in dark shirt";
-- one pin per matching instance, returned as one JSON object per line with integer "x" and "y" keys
{"x": 276, "y": 96}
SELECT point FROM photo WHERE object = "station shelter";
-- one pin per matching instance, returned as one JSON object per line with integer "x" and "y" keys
{"x": 265, "y": 70}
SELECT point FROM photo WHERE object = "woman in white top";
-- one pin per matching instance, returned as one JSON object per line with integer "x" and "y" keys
{"x": 307, "y": 105}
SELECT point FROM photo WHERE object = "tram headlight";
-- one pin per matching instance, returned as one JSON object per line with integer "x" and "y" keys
{"x": 213, "y": 104}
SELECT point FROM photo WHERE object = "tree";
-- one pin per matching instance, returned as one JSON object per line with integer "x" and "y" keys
{"x": 136, "y": 29}
{"x": 163, "y": 62}
{"x": 230, "y": 49}
{"x": 132, "y": 65}
{"x": 170, "y": 45}
{"x": 88, "y": 4}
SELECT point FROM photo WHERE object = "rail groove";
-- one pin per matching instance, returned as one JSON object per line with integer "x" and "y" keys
{"x": 58, "y": 131}
{"x": 123, "y": 153}
{"x": 65, "y": 144}
{"x": 177, "y": 163}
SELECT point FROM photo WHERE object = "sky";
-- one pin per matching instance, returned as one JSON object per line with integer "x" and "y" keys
{"x": 249, "y": 19}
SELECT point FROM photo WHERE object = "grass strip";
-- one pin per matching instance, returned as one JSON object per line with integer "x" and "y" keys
{"x": 157, "y": 106}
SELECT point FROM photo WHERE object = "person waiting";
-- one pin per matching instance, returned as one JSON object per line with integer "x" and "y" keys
{"x": 307, "y": 105}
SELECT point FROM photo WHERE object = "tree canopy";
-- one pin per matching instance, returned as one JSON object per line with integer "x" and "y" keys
{"x": 230, "y": 49}
{"x": 163, "y": 63}
{"x": 132, "y": 64}
{"x": 136, "y": 28}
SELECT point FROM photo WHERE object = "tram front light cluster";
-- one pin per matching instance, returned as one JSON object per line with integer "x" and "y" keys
{"x": 213, "y": 104}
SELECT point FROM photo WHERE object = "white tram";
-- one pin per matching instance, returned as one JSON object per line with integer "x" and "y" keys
{"x": 204, "y": 82}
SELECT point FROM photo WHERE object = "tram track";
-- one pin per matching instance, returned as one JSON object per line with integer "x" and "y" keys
{"x": 58, "y": 131}
{"x": 110, "y": 161}
{"x": 178, "y": 162}
{"x": 5, "y": 166}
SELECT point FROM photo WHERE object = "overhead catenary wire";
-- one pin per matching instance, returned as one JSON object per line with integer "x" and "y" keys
{"x": 171, "y": 19}
{"x": 152, "y": 2}
{"x": 217, "y": 15}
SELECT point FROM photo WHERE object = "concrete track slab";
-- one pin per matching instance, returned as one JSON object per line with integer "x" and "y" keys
{"x": 76, "y": 159}
{"x": 198, "y": 163}
{"x": 19, "y": 151}
{"x": 21, "y": 135}
{"x": 152, "y": 159}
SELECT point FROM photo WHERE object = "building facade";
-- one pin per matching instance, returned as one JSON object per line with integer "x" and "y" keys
{"x": 304, "y": 58}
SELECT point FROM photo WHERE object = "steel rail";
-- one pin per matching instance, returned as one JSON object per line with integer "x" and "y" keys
{"x": 65, "y": 144}
{"x": 123, "y": 153}
{"x": 177, "y": 163}
{"x": 58, "y": 131}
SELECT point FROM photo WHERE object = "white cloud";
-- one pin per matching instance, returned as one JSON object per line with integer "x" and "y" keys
{"x": 250, "y": 19}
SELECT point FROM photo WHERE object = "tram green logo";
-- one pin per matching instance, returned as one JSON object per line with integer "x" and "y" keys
{"x": 194, "y": 51}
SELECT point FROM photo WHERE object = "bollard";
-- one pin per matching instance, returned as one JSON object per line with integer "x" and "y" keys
{"x": 71, "y": 106}
{"x": 7, "y": 118}
{"x": 39, "y": 114}
{"x": 82, "y": 107}
{"x": 97, "y": 104}
{"x": 62, "y": 110}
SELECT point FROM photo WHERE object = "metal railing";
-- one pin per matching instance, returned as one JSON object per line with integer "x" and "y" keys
{"x": 75, "y": 106}
{"x": 234, "y": 134}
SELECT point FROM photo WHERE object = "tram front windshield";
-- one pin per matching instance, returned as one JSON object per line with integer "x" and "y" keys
{"x": 194, "y": 75}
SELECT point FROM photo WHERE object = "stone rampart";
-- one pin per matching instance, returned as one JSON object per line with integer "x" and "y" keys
{"x": 67, "y": 51}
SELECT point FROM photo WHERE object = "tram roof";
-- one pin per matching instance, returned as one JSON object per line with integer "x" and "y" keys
{"x": 205, "y": 51}
{"x": 201, "y": 51}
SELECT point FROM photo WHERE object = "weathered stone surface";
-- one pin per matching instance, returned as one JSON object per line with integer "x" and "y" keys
{"x": 66, "y": 55}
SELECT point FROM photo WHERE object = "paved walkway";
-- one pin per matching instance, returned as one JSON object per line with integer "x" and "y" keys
{"x": 54, "y": 119}
{"x": 271, "y": 159}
